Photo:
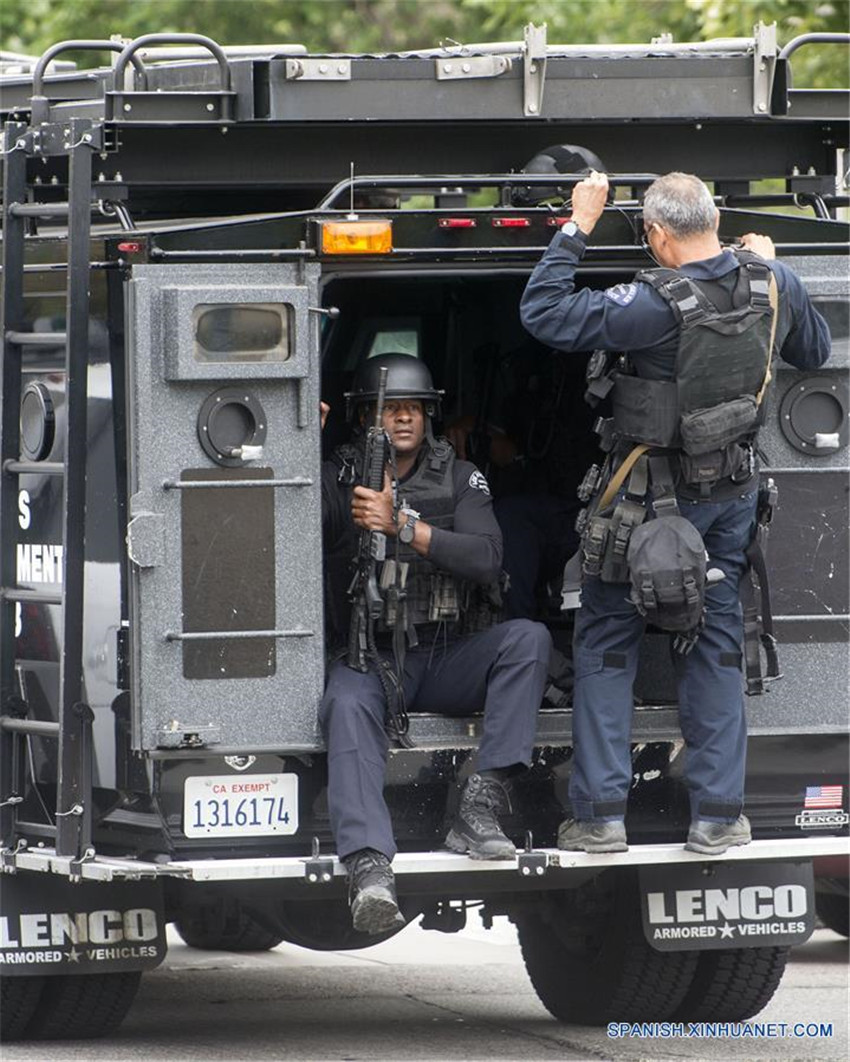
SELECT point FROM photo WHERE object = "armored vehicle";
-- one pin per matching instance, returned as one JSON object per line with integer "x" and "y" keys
{"x": 199, "y": 244}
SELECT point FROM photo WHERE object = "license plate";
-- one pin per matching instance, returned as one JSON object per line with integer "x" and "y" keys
{"x": 252, "y": 805}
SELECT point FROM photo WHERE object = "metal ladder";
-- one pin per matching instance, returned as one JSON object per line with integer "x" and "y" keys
{"x": 76, "y": 139}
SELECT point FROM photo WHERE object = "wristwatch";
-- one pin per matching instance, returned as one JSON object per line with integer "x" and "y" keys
{"x": 405, "y": 533}
{"x": 570, "y": 228}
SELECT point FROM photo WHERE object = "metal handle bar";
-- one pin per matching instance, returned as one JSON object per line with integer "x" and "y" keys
{"x": 507, "y": 180}
{"x": 130, "y": 50}
{"x": 813, "y": 38}
{"x": 77, "y": 46}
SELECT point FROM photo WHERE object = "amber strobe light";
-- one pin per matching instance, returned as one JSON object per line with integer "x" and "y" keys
{"x": 357, "y": 237}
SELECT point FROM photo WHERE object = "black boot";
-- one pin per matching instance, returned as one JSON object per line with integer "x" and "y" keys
{"x": 371, "y": 892}
{"x": 476, "y": 830}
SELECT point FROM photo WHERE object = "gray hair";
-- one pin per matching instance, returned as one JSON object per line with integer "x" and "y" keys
{"x": 681, "y": 203}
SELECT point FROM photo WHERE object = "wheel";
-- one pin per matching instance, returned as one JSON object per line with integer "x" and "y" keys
{"x": 19, "y": 997}
{"x": 589, "y": 961}
{"x": 833, "y": 910}
{"x": 82, "y": 1006}
{"x": 224, "y": 926}
{"x": 732, "y": 984}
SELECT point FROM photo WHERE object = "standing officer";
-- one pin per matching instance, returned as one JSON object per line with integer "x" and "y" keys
{"x": 698, "y": 334}
{"x": 444, "y": 530}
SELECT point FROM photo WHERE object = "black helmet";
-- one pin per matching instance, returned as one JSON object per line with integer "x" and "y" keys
{"x": 408, "y": 377}
{"x": 557, "y": 159}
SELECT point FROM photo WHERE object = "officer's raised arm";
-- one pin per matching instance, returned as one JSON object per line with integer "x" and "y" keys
{"x": 556, "y": 314}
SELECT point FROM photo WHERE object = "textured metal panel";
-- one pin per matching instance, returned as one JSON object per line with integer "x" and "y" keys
{"x": 256, "y": 713}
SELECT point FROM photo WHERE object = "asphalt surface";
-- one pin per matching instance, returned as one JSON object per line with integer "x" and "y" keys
{"x": 423, "y": 996}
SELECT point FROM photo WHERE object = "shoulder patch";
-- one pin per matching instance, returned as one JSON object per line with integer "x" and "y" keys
{"x": 622, "y": 294}
{"x": 479, "y": 482}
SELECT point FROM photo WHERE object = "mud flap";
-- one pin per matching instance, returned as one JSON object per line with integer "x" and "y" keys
{"x": 52, "y": 926}
{"x": 727, "y": 905}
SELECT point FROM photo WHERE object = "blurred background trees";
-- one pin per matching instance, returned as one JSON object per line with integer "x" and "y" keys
{"x": 30, "y": 26}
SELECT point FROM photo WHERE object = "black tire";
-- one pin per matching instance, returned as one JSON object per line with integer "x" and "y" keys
{"x": 732, "y": 984}
{"x": 833, "y": 910}
{"x": 82, "y": 1006}
{"x": 19, "y": 998}
{"x": 220, "y": 927}
{"x": 589, "y": 961}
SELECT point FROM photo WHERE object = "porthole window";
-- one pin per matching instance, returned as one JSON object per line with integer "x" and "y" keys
{"x": 242, "y": 332}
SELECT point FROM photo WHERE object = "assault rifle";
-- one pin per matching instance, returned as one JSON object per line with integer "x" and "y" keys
{"x": 366, "y": 601}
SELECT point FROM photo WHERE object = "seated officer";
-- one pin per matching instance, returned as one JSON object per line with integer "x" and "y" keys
{"x": 699, "y": 331}
{"x": 442, "y": 527}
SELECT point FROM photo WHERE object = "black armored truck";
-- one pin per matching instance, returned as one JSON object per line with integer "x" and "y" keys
{"x": 201, "y": 243}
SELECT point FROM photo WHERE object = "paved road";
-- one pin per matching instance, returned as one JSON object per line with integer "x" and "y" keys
{"x": 419, "y": 996}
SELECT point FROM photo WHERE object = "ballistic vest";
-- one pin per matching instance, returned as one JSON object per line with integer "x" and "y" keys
{"x": 430, "y": 595}
{"x": 713, "y": 404}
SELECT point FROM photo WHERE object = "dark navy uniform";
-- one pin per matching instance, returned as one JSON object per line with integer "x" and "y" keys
{"x": 635, "y": 319}
{"x": 501, "y": 670}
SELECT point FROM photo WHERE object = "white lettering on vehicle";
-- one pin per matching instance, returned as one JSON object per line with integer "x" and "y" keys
{"x": 24, "y": 514}
{"x": 93, "y": 927}
{"x": 755, "y": 902}
{"x": 39, "y": 562}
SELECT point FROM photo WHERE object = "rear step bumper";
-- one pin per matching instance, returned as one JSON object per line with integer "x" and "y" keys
{"x": 322, "y": 869}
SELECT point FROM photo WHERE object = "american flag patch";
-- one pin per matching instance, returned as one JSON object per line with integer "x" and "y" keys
{"x": 823, "y": 796}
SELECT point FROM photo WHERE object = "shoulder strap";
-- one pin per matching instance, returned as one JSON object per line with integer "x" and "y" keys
{"x": 656, "y": 278}
{"x": 773, "y": 298}
{"x": 687, "y": 302}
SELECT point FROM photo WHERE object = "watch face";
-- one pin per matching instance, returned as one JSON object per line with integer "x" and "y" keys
{"x": 570, "y": 228}
{"x": 405, "y": 535}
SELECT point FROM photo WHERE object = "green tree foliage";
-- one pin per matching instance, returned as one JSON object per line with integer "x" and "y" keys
{"x": 391, "y": 25}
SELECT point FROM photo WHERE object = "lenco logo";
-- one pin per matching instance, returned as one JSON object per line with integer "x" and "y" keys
{"x": 753, "y": 903}
{"x": 94, "y": 927}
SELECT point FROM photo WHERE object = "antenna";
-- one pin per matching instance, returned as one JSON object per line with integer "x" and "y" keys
{"x": 351, "y": 213}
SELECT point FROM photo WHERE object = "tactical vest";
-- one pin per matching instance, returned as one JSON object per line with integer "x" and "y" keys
{"x": 699, "y": 427}
{"x": 711, "y": 410}
{"x": 430, "y": 596}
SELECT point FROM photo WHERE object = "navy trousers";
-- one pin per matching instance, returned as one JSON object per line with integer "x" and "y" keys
{"x": 711, "y": 700}
{"x": 501, "y": 670}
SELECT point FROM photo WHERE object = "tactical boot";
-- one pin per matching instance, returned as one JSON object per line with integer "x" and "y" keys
{"x": 587, "y": 835}
{"x": 713, "y": 838}
{"x": 371, "y": 892}
{"x": 476, "y": 830}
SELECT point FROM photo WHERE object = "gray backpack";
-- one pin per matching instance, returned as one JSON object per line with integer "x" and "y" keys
{"x": 666, "y": 559}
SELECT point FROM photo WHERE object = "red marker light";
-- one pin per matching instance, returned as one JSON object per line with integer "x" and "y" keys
{"x": 553, "y": 221}
{"x": 129, "y": 248}
{"x": 511, "y": 223}
{"x": 457, "y": 223}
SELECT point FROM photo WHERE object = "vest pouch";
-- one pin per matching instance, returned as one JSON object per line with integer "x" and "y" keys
{"x": 444, "y": 603}
{"x": 626, "y": 517}
{"x": 733, "y": 462}
{"x": 705, "y": 430}
{"x": 483, "y": 606}
{"x": 594, "y": 544}
{"x": 646, "y": 411}
{"x": 667, "y": 569}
